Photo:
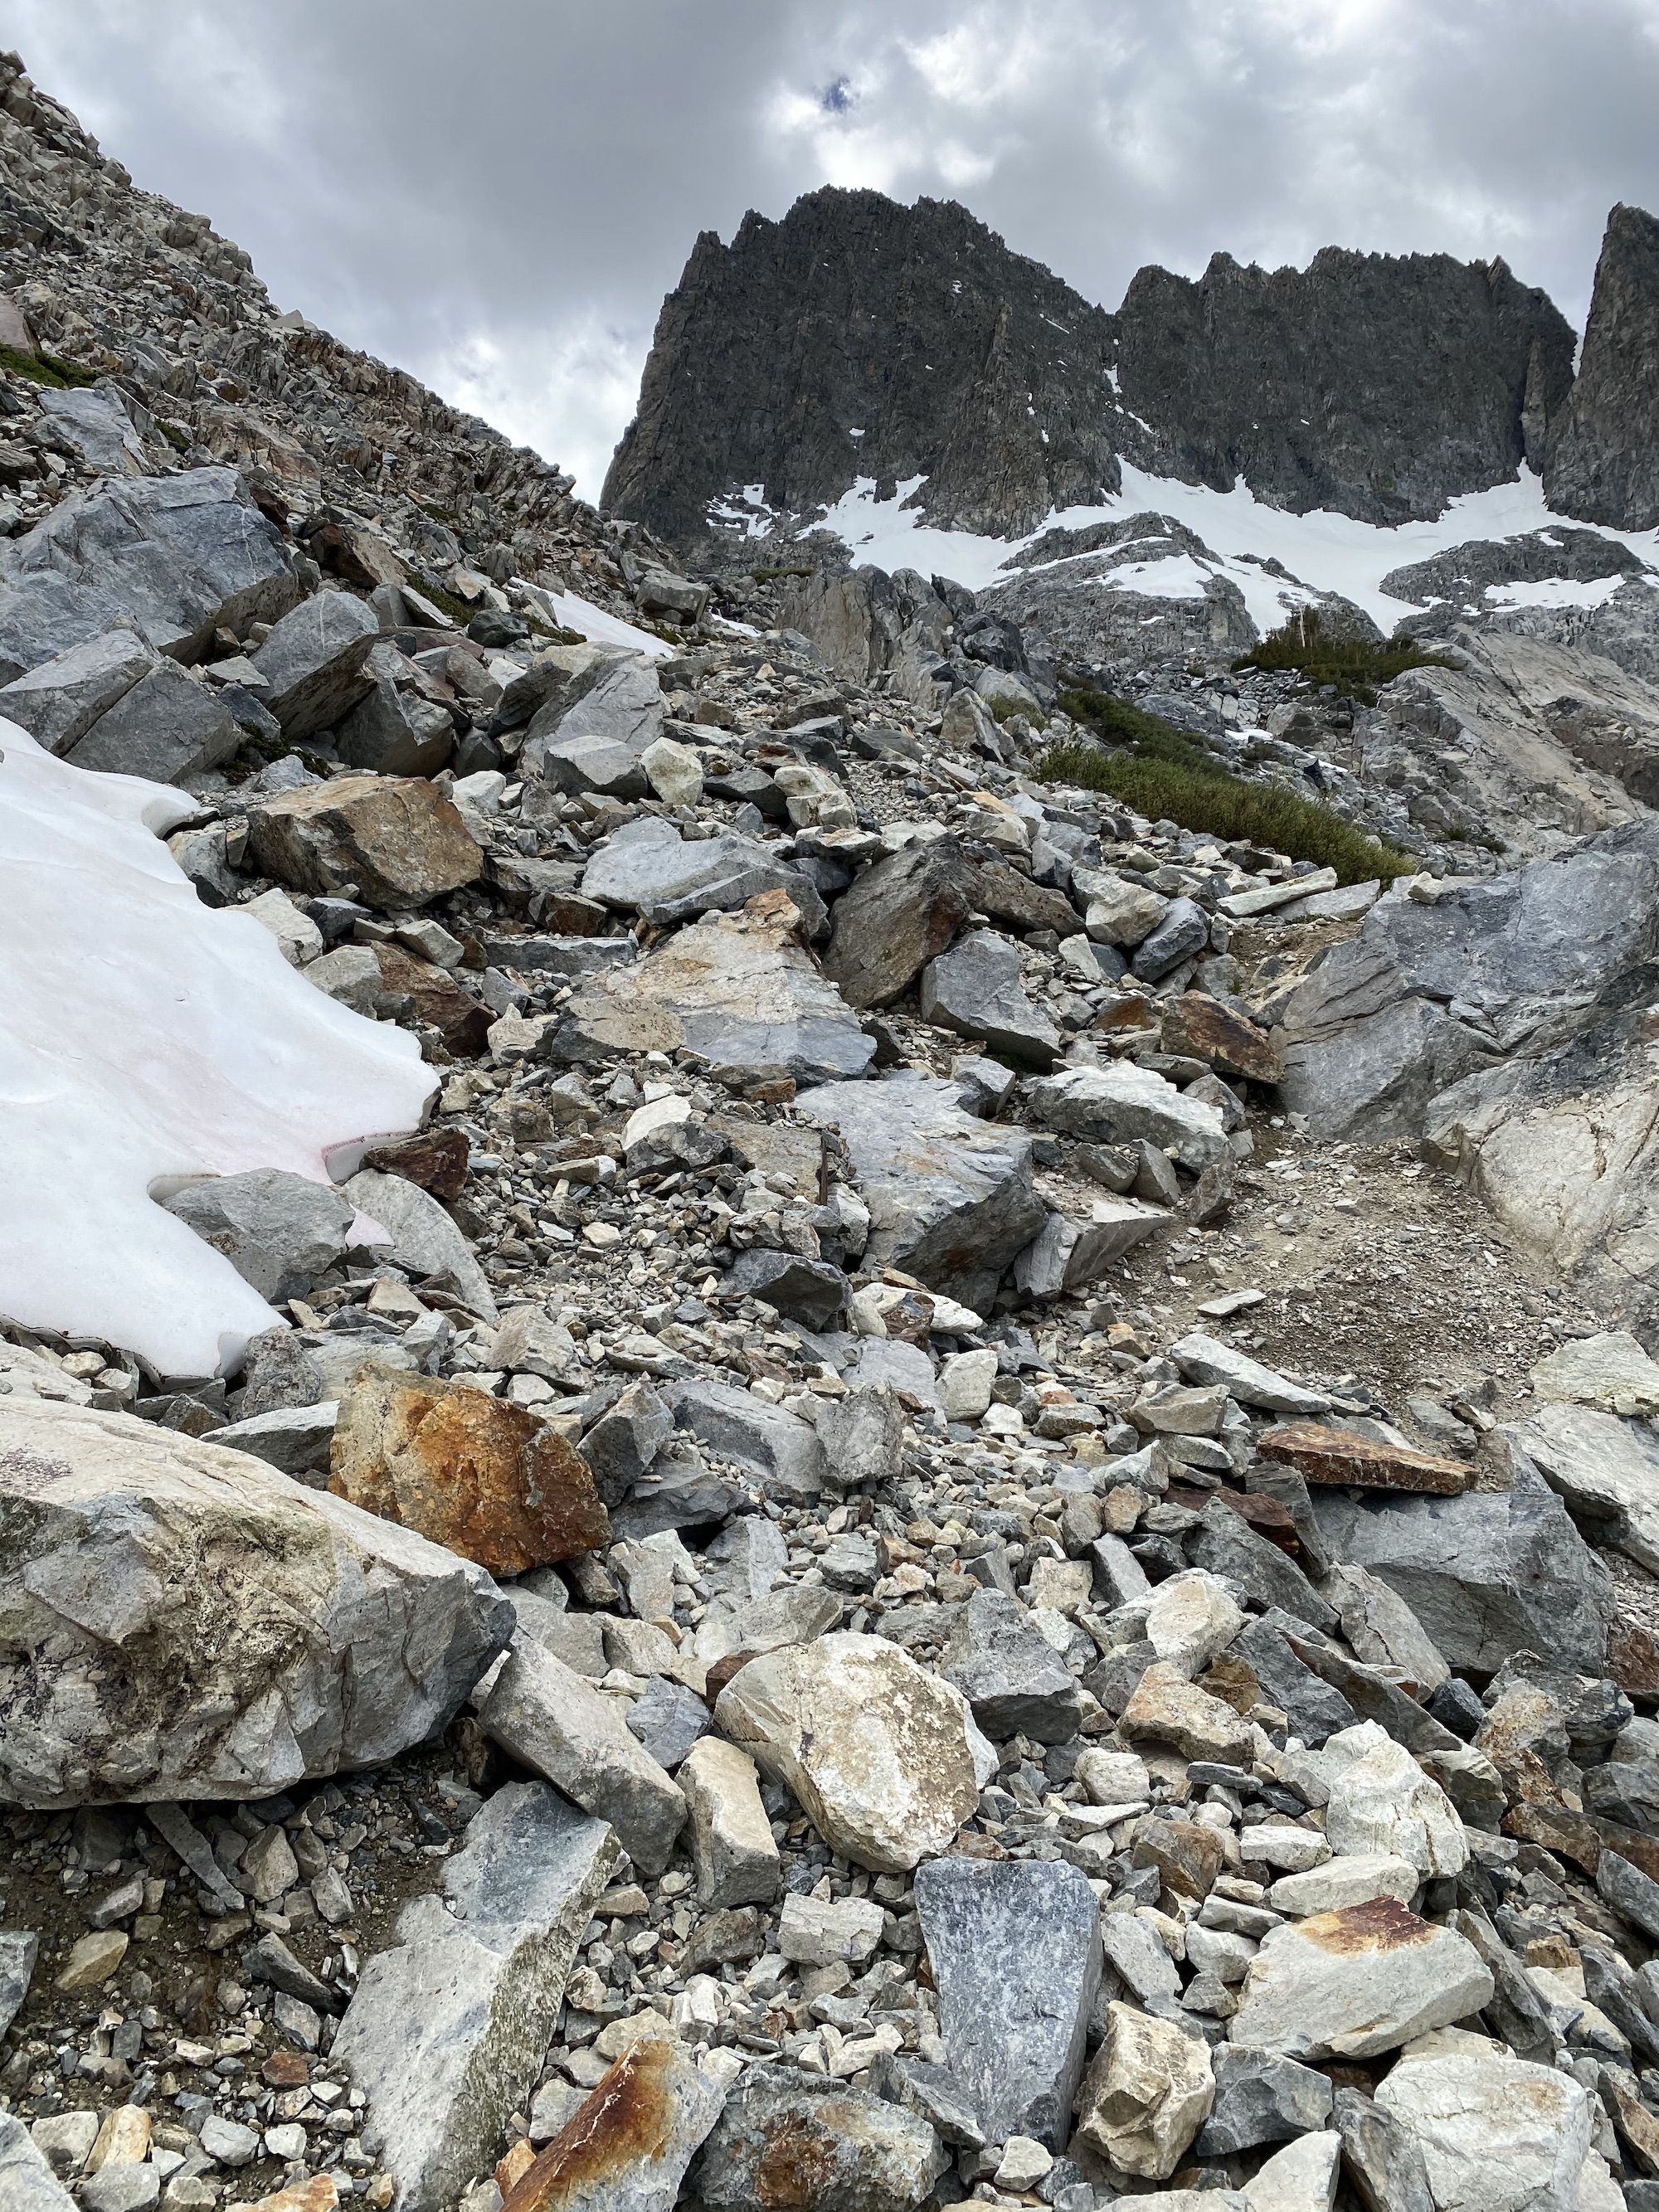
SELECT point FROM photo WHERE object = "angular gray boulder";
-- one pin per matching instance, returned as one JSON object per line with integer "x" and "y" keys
{"x": 1487, "y": 1574}
{"x": 950, "y": 1198}
{"x": 447, "y": 2031}
{"x": 831, "y": 2147}
{"x": 177, "y": 556}
{"x": 320, "y": 1639}
{"x": 316, "y": 662}
{"x": 976, "y": 989}
{"x": 1014, "y": 1949}
{"x": 278, "y": 1230}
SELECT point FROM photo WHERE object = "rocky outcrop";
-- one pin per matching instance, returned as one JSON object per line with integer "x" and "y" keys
{"x": 857, "y": 337}
{"x": 1603, "y": 458}
{"x": 1377, "y": 385}
{"x": 859, "y": 340}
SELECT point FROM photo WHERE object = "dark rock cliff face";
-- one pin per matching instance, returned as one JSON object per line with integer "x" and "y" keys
{"x": 1377, "y": 385}
{"x": 1604, "y": 450}
{"x": 857, "y": 337}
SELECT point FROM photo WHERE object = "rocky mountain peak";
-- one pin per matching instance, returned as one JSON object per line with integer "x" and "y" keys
{"x": 1603, "y": 463}
{"x": 857, "y": 338}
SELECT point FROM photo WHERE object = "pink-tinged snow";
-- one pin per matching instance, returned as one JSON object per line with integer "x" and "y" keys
{"x": 1324, "y": 551}
{"x": 146, "y": 1042}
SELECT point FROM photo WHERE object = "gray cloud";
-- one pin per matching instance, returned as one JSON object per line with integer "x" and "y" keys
{"x": 497, "y": 196}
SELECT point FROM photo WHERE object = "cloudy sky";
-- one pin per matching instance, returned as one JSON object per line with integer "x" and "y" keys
{"x": 496, "y": 194}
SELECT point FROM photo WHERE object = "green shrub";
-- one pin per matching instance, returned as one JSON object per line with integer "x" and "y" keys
{"x": 46, "y": 369}
{"x": 1353, "y": 665}
{"x": 1203, "y": 797}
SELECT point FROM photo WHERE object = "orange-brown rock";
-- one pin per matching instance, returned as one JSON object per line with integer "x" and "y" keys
{"x": 399, "y": 840}
{"x": 439, "y": 1003}
{"x": 1208, "y": 1029}
{"x": 1339, "y": 1455}
{"x": 491, "y": 1481}
{"x": 436, "y": 1158}
{"x": 319, "y": 2194}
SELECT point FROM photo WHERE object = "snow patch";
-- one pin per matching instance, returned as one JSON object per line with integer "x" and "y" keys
{"x": 1556, "y": 592}
{"x": 600, "y": 627}
{"x": 146, "y": 1042}
{"x": 1323, "y": 551}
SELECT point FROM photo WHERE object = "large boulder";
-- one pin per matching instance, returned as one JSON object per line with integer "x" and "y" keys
{"x": 1488, "y": 1574}
{"x": 1121, "y": 1103}
{"x": 1354, "y": 1982}
{"x": 950, "y": 1198}
{"x": 425, "y": 1241}
{"x": 166, "y": 727}
{"x": 1604, "y": 1471}
{"x": 279, "y": 1232}
{"x": 736, "y": 992}
{"x": 1494, "y": 2131}
{"x": 315, "y": 662}
{"x": 447, "y": 2031}
{"x": 647, "y": 867}
{"x": 883, "y": 1756}
{"x": 976, "y": 989}
{"x": 177, "y": 557}
{"x": 398, "y": 841}
{"x": 623, "y": 705}
{"x": 1024, "y": 1926}
{"x": 490, "y": 1480}
{"x": 184, "y": 1622}
{"x": 901, "y": 913}
{"x": 1425, "y": 995}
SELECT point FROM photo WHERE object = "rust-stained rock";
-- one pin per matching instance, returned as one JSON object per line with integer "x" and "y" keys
{"x": 1342, "y": 1455}
{"x": 627, "y": 2147}
{"x": 1350, "y": 1984}
{"x": 489, "y": 1480}
{"x": 1186, "y": 1854}
{"x": 397, "y": 839}
{"x": 788, "y": 2143}
{"x": 317, "y": 2195}
{"x": 436, "y": 1159}
{"x": 1208, "y": 1029}
{"x": 439, "y": 1002}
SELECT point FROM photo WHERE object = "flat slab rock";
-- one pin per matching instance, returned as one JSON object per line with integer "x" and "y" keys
{"x": 1352, "y": 1983}
{"x": 323, "y": 1639}
{"x": 735, "y": 992}
{"x": 1340, "y": 1456}
{"x": 447, "y": 2030}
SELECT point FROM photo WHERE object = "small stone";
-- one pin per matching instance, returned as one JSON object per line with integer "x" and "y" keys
{"x": 92, "y": 1960}
{"x": 1022, "y": 2164}
{"x": 816, "y": 1932}
{"x": 227, "y": 2142}
{"x": 731, "y": 1844}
